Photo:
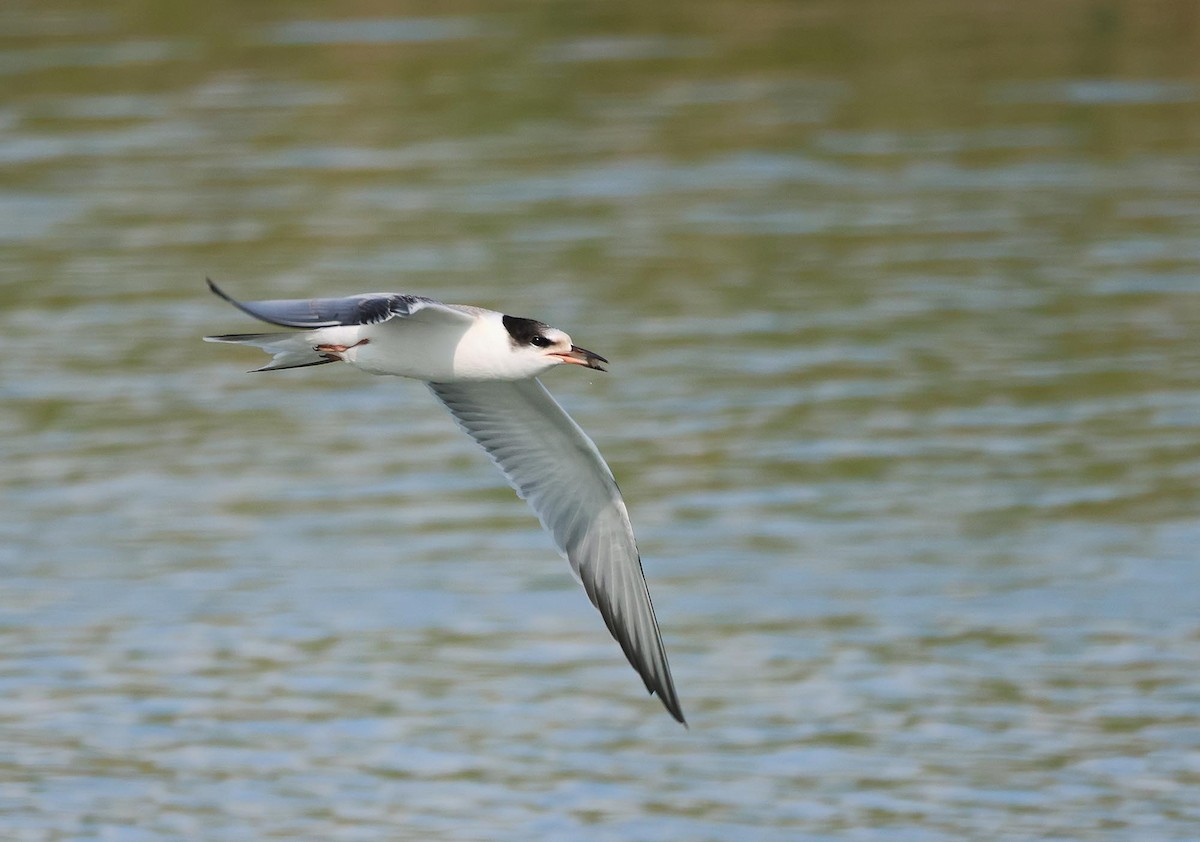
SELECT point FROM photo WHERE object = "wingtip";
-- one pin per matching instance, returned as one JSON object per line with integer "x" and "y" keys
{"x": 216, "y": 290}
{"x": 673, "y": 707}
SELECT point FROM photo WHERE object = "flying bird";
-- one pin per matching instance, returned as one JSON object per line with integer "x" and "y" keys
{"x": 484, "y": 367}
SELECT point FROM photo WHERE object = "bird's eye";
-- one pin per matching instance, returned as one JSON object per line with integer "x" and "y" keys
{"x": 540, "y": 342}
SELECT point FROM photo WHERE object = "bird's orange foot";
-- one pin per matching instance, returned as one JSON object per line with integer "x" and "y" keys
{"x": 338, "y": 349}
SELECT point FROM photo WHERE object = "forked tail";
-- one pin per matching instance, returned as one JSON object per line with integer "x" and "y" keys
{"x": 289, "y": 350}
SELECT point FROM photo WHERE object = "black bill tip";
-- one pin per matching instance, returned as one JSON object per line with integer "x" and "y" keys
{"x": 588, "y": 358}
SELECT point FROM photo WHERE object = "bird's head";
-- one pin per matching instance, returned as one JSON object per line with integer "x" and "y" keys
{"x": 544, "y": 346}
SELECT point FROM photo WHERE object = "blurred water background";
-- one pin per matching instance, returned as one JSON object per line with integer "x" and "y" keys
{"x": 903, "y": 301}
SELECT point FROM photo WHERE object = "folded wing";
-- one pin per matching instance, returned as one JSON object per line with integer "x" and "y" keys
{"x": 554, "y": 466}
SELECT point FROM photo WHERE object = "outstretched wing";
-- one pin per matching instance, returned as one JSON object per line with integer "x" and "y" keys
{"x": 552, "y": 463}
{"x": 369, "y": 309}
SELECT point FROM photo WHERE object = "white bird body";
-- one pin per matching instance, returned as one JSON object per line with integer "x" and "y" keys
{"x": 483, "y": 366}
{"x": 438, "y": 348}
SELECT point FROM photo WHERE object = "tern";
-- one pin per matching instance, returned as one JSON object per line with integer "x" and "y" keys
{"x": 484, "y": 367}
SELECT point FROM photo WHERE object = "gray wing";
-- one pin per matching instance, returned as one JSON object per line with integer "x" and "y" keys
{"x": 552, "y": 463}
{"x": 369, "y": 309}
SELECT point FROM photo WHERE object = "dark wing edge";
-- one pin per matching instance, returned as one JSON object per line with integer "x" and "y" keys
{"x": 635, "y": 637}
{"x": 523, "y": 430}
{"x": 313, "y": 313}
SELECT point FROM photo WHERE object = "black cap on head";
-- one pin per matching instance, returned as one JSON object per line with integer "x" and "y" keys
{"x": 523, "y": 331}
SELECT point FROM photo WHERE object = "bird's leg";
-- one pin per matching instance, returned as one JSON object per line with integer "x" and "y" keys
{"x": 334, "y": 350}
